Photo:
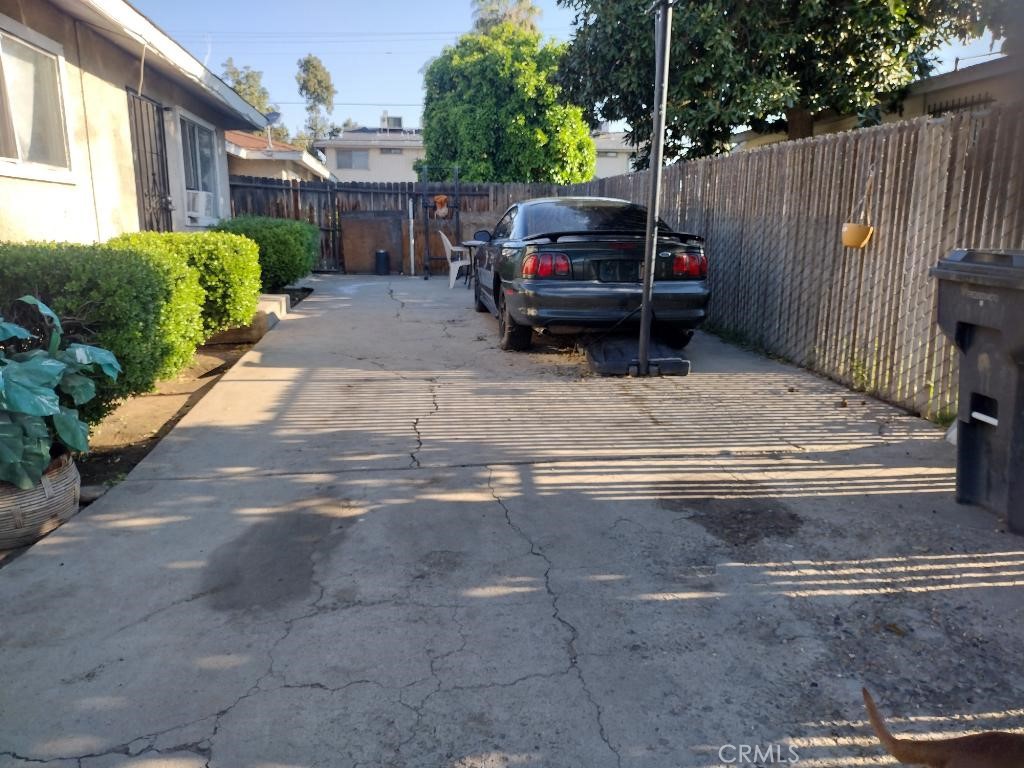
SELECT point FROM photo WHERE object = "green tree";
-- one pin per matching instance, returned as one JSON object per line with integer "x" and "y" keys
{"x": 248, "y": 83}
{"x": 318, "y": 90}
{"x": 771, "y": 64}
{"x": 487, "y": 14}
{"x": 492, "y": 108}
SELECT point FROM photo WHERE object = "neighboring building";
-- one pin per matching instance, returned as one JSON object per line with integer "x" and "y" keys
{"x": 107, "y": 125}
{"x": 999, "y": 81}
{"x": 375, "y": 154}
{"x": 614, "y": 155}
{"x": 387, "y": 153}
{"x": 251, "y": 154}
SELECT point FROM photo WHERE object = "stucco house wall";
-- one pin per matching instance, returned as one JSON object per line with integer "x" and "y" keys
{"x": 96, "y": 199}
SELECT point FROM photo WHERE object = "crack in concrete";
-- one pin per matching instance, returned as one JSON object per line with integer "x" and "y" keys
{"x": 125, "y": 748}
{"x": 162, "y": 609}
{"x": 435, "y": 408}
{"x": 401, "y": 304}
{"x": 556, "y": 615}
{"x": 546, "y": 461}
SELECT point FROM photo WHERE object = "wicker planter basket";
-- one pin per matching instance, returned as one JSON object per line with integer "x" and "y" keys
{"x": 26, "y": 516}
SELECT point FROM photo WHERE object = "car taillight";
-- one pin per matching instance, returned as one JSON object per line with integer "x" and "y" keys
{"x": 546, "y": 265}
{"x": 530, "y": 266}
{"x": 690, "y": 265}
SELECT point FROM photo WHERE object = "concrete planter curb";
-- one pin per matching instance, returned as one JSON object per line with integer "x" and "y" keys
{"x": 271, "y": 308}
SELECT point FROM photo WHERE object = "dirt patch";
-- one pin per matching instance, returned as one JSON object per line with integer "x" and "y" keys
{"x": 740, "y": 522}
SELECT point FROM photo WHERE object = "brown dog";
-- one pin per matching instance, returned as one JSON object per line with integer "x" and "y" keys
{"x": 994, "y": 749}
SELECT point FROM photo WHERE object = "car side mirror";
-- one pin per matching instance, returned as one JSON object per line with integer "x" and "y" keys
{"x": 482, "y": 235}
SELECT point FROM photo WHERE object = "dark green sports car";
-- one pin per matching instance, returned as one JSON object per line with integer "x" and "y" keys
{"x": 574, "y": 263}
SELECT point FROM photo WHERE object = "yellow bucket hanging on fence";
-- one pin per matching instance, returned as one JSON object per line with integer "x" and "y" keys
{"x": 856, "y": 235}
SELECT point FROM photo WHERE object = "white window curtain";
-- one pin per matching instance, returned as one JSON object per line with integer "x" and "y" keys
{"x": 33, "y": 119}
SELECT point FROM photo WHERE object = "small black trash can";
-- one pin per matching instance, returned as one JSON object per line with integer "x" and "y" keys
{"x": 382, "y": 263}
{"x": 981, "y": 308}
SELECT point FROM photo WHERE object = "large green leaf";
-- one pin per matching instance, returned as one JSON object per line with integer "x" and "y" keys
{"x": 12, "y": 331}
{"x": 33, "y": 426}
{"x": 86, "y": 354}
{"x": 15, "y": 474}
{"x": 73, "y": 431}
{"x": 28, "y": 387}
{"x": 81, "y": 388}
{"x": 23, "y": 459}
{"x": 44, "y": 310}
{"x": 12, "y": 443}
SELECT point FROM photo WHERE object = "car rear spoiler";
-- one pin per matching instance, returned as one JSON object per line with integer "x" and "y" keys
{"x": 685, "y": 237}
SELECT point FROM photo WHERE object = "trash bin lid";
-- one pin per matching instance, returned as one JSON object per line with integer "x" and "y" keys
{"x": 997, "y": 268}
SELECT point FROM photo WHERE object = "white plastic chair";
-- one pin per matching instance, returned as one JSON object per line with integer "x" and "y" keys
{"x": 458, "y": 257}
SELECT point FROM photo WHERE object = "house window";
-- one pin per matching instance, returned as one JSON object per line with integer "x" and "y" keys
{"x": 32, "y": 123}
{"x": 199, "y": 151}
{"x": 390, "y": 151}
{"x": 200, "y": 157}
{"x": 354, "y": 159}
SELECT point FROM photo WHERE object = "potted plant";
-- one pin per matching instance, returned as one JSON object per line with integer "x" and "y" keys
{"x": 42, "y": 381}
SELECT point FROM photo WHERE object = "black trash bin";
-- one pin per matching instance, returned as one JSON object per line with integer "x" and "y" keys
{"x": 382, "y": 263}
{"x": 981, "y": 308}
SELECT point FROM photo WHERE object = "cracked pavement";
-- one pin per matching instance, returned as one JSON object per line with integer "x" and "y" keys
{"x": 381, "y": 541}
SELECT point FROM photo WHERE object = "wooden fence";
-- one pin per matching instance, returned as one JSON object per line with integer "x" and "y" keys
{"x": 772, "y": 217}
{"x": 781, "y": 279}
{"x": 327, "y": 204}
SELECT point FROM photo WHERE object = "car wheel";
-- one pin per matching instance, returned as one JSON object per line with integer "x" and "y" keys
{"x": 677, "y": 338}
{"x": 511, "y": 335}
{"x": 478, "y": 304}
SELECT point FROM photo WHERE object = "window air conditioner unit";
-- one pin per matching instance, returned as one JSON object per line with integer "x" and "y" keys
{"x": 199, "y": 205}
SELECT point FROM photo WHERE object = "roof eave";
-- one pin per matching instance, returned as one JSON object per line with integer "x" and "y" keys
{"x": 130, "y": 25}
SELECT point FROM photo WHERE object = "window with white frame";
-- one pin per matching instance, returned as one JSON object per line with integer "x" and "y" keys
{"x": 198, "y": 147}
{"x": 32, "y": 118}
{"x": 354, "y": 159}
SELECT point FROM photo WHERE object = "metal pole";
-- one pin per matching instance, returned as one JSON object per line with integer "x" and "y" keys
{"x": 412, "y": 235}
{"x": 426, "y": 224}
{"x": 663, "y": 36}
{"x": 458, "y": 205}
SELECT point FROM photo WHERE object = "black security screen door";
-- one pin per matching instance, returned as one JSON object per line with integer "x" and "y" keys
{"x": 149, "y": 151}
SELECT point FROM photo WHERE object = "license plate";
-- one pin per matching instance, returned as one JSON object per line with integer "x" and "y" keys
{"x": 620, "y": 271}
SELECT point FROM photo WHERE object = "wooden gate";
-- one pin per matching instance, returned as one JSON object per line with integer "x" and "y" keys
{"x": 149, "y": 152}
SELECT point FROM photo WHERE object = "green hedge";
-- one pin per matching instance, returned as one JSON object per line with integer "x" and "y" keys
{"x": 228, "y": 267}
{"x": 288, "y": 248}
{"x": 144, "y": 307}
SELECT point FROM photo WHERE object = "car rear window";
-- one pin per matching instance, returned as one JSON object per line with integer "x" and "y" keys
{"x": 580, "y": 217}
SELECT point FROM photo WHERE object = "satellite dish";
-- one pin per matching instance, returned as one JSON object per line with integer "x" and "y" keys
{"x": 272, "y": 117}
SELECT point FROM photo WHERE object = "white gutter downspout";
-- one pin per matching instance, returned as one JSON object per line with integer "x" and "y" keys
{"x": 142, "y": 66}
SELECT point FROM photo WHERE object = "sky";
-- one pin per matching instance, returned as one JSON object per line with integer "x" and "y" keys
{"x": 375, "y": 50}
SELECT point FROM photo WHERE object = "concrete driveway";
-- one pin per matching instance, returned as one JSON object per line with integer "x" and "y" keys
{"x": 381, "y": 541}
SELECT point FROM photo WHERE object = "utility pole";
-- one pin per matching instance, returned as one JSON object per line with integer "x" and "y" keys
{"x": 662, "y": 40}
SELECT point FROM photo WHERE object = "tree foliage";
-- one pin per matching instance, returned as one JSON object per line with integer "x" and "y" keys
{"x": 317, "y": 88}
{"x": 487, "y": 14}
{"x": 492, "y": 108}
{"x": 770, "y": 64}
{"x": 248, "y": 83}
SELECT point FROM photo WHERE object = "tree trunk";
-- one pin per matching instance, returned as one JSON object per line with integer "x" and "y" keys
{"x": 799, "y": 123}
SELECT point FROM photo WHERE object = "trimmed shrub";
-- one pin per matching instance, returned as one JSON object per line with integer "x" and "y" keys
{"x": 228, "y": 267}
{"x": 143, "y": 307}
{"x": 288, "y": 248}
